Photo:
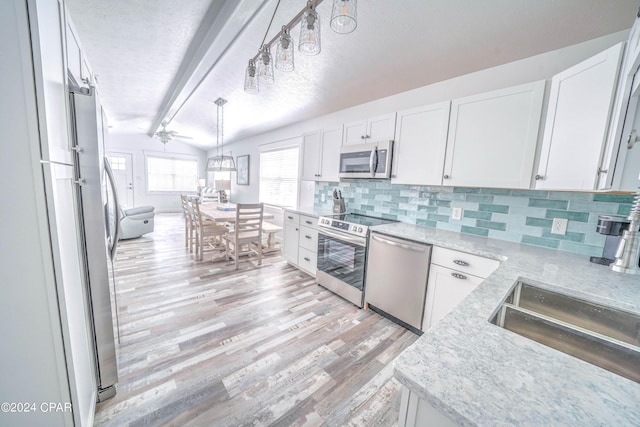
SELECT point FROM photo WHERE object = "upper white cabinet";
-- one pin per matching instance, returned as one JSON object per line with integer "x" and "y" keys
{"x": 321, "y": 155}
{"x": 420, "y": 145}
{"x": 311, "y": 156}
{"x": 379, "y": 128}
{"x": 622, "y": 156}
{"x": 493, "y": 136}
{"x": 74, "y": 54}
{"x": 578, "y": 117}
{"x": 51, "y": 81}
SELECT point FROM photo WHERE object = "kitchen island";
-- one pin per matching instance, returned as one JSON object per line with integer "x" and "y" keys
{"x": 476, "y": 373}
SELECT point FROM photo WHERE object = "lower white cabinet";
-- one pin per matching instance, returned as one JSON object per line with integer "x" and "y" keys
{"x": 452, "y": 276}
{"x": 417, "y": 412}
{"x": 301, "y": 241}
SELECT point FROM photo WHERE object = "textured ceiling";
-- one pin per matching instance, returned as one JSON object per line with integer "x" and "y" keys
{"x": 137, "y": 49}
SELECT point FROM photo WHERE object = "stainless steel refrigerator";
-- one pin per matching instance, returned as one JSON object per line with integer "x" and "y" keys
{"x": 99, "y": 217}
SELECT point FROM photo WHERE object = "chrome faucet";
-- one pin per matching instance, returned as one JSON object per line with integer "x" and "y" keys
{"x": 628, "y": 254}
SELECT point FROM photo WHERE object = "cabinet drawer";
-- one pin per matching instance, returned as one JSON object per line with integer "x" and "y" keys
{"x": 308, "y": 238}
{"x": 291, "y": 217}
{"x": 466, "y": 263}
{"x": 307, "y": 260}
{"x": 308, "y": 221}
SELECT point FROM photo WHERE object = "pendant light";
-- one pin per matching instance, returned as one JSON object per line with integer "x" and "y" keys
{"x": 265, "y": 65}
{"x": 343, "y": 21}
{"x": 310, "y": 31}
{"x": 251, "y": 78}
{"x": 284, "y": 51}
{"x": 220, "y": 163}
{"x": 344, "y": 16}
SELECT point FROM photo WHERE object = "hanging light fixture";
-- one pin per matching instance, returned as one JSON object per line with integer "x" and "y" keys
{"x": 310, "y": 31}
{"x": 220, "y": 163}
{"x": 284, "y": 51}
{"x": 265, "y": 65}
{"x": 251, "y": 78}
{"x": 344, "y": 16}
{"x": 343, "y": 21}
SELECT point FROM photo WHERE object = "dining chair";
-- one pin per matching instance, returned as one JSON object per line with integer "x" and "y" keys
{"x": 208, "y": 233}
{"x": 246, "y": 236}
{"x": 189, "y": 225}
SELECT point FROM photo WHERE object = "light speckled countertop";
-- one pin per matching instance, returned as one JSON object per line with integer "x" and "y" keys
{"x": 311, "y": 210}
{"x": 480, "y": 374}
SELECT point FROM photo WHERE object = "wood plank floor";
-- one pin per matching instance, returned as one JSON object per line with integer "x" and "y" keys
{"x": 204, "y": 345}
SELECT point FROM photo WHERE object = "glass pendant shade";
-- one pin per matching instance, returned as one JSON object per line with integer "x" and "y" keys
{"x": 265, "y": 65}
{"x": 284, "y": 52}
{"x": 221, "y": 164}
{"x": 309, "y": 32}
{"x": 344, "y": 16}
{"x": 251, "y": 78}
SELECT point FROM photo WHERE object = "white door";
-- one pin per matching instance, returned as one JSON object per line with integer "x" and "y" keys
{"x": 311, "y": 156}
{"x": 575, "y": 133}
{"x": 492, "y": 138}
{"x": 330, "y": 155}
{"x": 420, "y": 145}
{"x": 122, "y": 166}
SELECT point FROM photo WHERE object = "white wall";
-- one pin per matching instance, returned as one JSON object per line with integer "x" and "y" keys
{"x": 139, "y": 145}
{"x": 538, "y": 67}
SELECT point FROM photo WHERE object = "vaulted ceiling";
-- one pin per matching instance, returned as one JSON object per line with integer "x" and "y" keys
{"x": 170, "y": 60}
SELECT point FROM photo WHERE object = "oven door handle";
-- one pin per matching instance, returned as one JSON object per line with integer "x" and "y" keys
{"x": 350, "y": 239}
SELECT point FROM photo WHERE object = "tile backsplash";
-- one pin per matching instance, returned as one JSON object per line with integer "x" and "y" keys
{"x": 523, "y": 216}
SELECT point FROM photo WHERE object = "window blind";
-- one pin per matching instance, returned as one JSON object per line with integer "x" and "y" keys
{"x": 169, "y": 174}
{"x": 279, "y": 177}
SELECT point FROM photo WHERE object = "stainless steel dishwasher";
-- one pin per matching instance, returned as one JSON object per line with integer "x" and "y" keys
{"x": 396, "y": 281}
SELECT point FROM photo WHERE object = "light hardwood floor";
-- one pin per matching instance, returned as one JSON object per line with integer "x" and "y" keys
{"x": 204, "y": 345}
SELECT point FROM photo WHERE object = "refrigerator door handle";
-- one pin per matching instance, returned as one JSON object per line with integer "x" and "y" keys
{"x": 113, "y": 240}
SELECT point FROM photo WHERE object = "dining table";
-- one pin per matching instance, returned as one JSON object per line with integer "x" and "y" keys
{"x": 226, "y": 212}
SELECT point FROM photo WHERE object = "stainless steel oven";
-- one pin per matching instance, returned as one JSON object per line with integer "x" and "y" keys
{"x": 342, "y": 254}
{"x": 341, "y": 264}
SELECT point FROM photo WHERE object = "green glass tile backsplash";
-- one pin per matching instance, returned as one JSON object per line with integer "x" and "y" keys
{"x": 523, "y": 216}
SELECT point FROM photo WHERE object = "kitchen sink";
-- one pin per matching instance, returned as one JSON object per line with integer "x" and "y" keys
{"x": 603, "y": 336}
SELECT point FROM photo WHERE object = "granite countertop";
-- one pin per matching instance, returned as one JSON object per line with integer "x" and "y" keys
{"x": 480, "y": 374}
{"x": 311, "y": 211}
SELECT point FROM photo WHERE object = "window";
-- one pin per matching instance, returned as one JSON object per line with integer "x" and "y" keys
{"x": 117, "y": 163}
{"x": 279, "y": 177}
{"x": 170, "y": 174}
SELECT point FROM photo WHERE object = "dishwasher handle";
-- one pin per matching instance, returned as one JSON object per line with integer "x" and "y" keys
{"x": 407, "y": 246}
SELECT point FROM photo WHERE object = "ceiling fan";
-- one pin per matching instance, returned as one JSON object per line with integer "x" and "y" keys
{"x": 165, "y": 135}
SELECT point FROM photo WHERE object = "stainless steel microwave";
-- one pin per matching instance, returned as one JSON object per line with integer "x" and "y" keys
{"x": 372, "y": 160}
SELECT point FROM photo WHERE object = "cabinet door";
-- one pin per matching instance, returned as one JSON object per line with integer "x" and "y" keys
{"x": 420, "y": 145}
{"x": 492, "y": 138}
{"x": 311, "y": 156}
{"x": 47, "y": 35}
{"x": 577, "y": 122}
{"x": 446, "y": 288}
{"x": 330, "y": 154}
{"x": 354, "y": 133}
{"x": 381, "y": 128}
{"x": 74, "y": 55}
{"x": 290, "y": 243}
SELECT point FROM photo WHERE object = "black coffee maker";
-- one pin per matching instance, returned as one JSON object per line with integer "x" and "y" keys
{"x": 611, "y": 226}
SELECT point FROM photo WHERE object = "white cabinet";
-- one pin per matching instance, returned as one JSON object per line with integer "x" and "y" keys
{"x": 420, "y": 145}
{"x": 321, "y": 158}
{"x": 51, "y": 81}
{"x": 379, "y": 128}
{"x": 301, "y": 241}
{"x": 452, "y": 276}
{"x": 578, "y": 117}
{"x": 291, "y": 236}
{"x": 74, "y": 54}
{"x": 493, "y": 136}
{"x": 417, "y": 412}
